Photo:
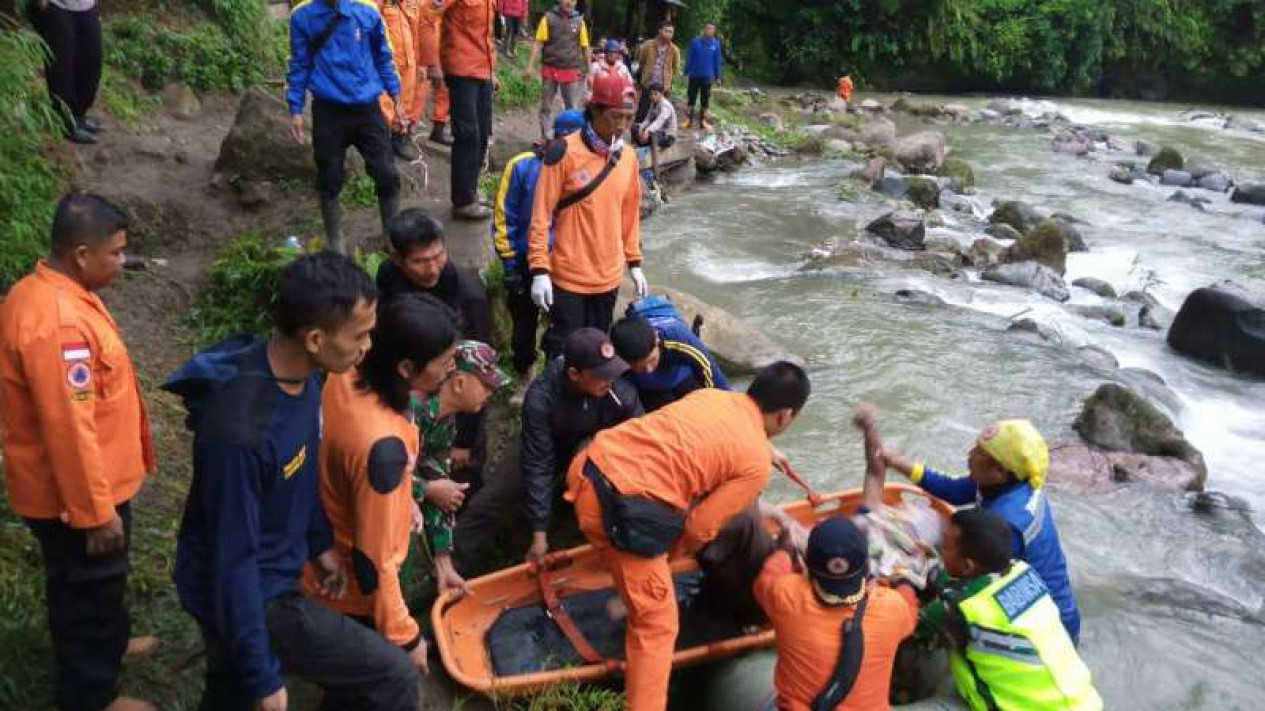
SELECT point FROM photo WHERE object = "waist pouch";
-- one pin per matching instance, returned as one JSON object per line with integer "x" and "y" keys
{"x": 632, "y": 524}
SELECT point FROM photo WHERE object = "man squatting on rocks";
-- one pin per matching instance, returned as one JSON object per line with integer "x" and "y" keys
{"x": 339, "y": 51}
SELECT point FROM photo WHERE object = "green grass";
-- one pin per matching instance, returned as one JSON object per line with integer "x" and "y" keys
{"x": 359, "y": 191}
{"x": 516, "y": 92}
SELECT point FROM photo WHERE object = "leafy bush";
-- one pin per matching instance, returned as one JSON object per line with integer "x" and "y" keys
{"x": 29, "y": 180}
{"x": 206, "y": 58}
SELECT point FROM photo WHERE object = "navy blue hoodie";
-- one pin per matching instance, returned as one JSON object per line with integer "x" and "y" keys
{"x": 253, "y": 517}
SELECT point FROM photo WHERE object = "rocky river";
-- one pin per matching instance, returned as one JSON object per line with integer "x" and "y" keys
{"x": 1170, "y": 583}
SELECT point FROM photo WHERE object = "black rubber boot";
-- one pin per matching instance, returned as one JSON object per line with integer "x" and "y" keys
{"x": 332, "y": 217}
{"x": 441, "y": 134}
{"x": 402, "y": 145}
{"x": 386, "y": 210}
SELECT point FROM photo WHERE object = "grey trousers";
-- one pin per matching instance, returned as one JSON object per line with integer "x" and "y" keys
{"x": 572, "y": 97}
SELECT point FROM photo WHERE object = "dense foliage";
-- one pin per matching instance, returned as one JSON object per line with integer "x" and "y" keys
{"x": 1211, "y": 49}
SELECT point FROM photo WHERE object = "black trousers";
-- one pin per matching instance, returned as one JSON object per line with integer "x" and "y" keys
{"x": 525, "y": 318}
{"x": 643, "y": 105}
{"x": 573, "y": 311}
{"x": 700, "y": 89}
{"x": 493, "y": 510}
{"x": 357, "y": 667}
{"x": 470, "y": 102}
{"x": 513, "y": 26}
{"x": 335, "y": 127}
{"x": 731, "y": 562}
{"x": 87, "y": 612}
{"x": 73, "y": 69}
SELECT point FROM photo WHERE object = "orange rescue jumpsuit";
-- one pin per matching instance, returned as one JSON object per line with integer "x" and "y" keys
{"x": 76, "y": 434}
{"x": 845, "y": 88}
{"x": 366, "y": 463}
{"x": 402, "y": 19}
{"x": 707, "y": 453}
{"x": 428, "y": 30}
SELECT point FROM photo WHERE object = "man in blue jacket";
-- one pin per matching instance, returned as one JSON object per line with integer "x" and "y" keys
{"x": 510, "y": 222}
{"x": 340, "y": 53}
{"x": 667, "y": 361}
{"x": 254, "y": 517}
{"x": 702, "y": 67}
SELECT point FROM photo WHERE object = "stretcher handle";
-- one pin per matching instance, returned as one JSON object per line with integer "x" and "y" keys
{"x": 813, "y": 497}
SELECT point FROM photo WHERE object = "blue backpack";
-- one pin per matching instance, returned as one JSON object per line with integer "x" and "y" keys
{"x": 657, "y": 310}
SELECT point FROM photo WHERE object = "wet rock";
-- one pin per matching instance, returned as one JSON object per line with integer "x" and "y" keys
{"x": 1141, "y": 298}
{"x": 1030, "y": 325}
{"x": 1239, "y": 123}
{"x": 1017, "y": 214}
{"x": 923, "y": 192}
{"x": 1155, "y": 317}
{"x": 1216, "y": 182}
{"x": 1078, "y": 464}
{"x": 863, "y": 255}
{"x": 914, "y": 296}
{"x": 962, "y": 204}
{"x": 871, "y": 105}
{"x": 986, "y": 252}
{"x": 1117, "y": 419}
{"x": 1098, "y": 286}
{"x": 704, "y": 160}
{"x": 773, "y": 121}
{"x": 1121, "y": 175}
{"x": 921, "y": 152}
{"x": 878, "y": 131}
{"x": 1249, "y": 194}
{"x": 1219, "y": 325}
{"x": 835, "y": 147}
{"x": 1005, "y": 107}
{"x": 180, "y": 100}
{"x": 1145, "y": 148}
{"x": 259, "y": 146}
{"x": 901, "y": 229}
{"x": 943, "y": 243}
{"x": 818, "y": 129}
{"x": 1166, "y": 159}
{"x": 873, "y": 170}
{"x": 893, "y": 186}
{"x": 835, "y": 105}
{"x": 1067, "y": 226}
{"x": 1099, "y": 356}
{"x": 1199, "y": 166}
{"x": 1179, "y": 178}
{"x": 1071, "y": 145}
{"x": 1110, "y": 314}
{"x": 1000, "y": 230}
{"x": 959, "y": 172}
{"x": 1186, "y": 198}
{"x": 1030, "y": 275}
{"x": 1045, "y": 245}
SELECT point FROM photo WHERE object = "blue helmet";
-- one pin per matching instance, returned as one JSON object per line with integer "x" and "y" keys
{"x": 568, "y": 122}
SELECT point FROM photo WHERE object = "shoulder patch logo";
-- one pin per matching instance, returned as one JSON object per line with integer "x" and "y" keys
{"x": 75, "y": 351}
{"x": 79, "y": 375}
{"x": 294, "y": 465}
{"x": 1020, "y": 594}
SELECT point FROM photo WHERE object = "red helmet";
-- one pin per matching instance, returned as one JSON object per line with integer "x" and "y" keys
{"x": 611, "y": 91}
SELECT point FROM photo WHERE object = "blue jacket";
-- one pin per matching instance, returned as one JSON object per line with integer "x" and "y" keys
{"x": 353, "y": 68}
{"x": 681, "y": 354}
{"x": 703, "y": 60}
{"x": 1034, "y": 538}
{"x": 511, "y": 217}
{"x": 253, "y": 516}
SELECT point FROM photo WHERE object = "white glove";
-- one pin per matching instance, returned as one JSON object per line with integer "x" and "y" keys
{"x": 542, "y": 292}
{"x": 639, "y": 282}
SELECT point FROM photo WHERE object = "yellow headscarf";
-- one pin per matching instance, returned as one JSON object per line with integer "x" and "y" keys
{"x": 1019, "y": 448}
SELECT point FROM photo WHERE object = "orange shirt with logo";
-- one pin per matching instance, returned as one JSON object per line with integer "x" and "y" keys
{"x": 706, "y": 452}
{"x": 466, "y": 44}
{"x": 76, "y": 433}
{"x": 366, "y": 462}
{"x": 596, "y": 238}
{"x": 809, "y": 635}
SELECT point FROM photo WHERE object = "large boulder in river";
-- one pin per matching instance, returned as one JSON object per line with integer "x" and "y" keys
{"x": 259, "y": 148}
{"x": 878, "y": 131}
{"x": 1166, "y": 159}
{"x": 923, "y": 192}
{"x": 901, "y": 229}
{"x": 1076, "y": 464}
{"x": 959, "y": 172}
{"x": 1043, "y": 245}
{"x": 737, "y": 345}
{"x": 1030, "y": 275}
{"x": 921, "y": 152}
{"x": 1117, "y": 419}
{"x": 872, "y": 171}
{"x": 1199, "y": 166}
{"x": 1250, "y": 194}
{"x": 1221, "y": 325}
{"x": 1098, "y": 286}
{"x": 1019, "y": 215}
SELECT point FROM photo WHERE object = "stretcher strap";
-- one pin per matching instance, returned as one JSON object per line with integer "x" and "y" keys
{"x": 560, "y": 617}
{"x": 813, "y": 497}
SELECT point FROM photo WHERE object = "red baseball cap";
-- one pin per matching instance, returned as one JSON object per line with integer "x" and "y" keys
{"x": 611, "y": 91}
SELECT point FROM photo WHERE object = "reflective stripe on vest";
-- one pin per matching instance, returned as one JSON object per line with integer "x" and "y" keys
{"x": 1019, "y": 657}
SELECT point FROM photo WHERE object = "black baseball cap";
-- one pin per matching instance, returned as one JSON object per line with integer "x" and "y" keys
{"x": 838, "y": 560}
{"x": 589, "y": 350}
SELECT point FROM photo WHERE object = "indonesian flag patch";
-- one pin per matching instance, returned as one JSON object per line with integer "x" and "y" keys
{"x": 71, "y": 352}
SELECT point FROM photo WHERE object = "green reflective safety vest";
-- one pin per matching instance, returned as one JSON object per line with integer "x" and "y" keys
{"x": 1019, "y": 657}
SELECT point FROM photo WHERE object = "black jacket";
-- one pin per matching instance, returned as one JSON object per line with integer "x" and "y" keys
{"x": 464, "y": 293}
{"x": 556, "y": 419}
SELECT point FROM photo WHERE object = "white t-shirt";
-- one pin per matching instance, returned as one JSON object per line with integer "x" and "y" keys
{"x": 74, "y": 5}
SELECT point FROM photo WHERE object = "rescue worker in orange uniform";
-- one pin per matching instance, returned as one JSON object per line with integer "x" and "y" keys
{"x": 430, "y": 80}
{"x": 845, "y": 88}
{"x": 663, "y": 486}
{"x": 76, "y": 445}
{"x": 467, "y": 53}
{"x": 368, "y": 451}
{"x": 589, "y": 195}
{"x": 403, "y": 20}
